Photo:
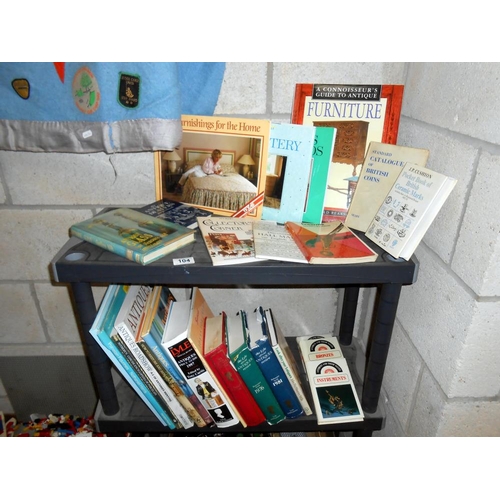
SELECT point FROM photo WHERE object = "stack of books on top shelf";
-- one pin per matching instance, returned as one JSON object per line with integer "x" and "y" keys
{"x": 193, "y": 368}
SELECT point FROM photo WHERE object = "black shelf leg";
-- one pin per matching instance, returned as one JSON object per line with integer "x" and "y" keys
{"x": 385, "y": 315}
{"x": 99, "y": 362}
{"x": 349, "y": 306}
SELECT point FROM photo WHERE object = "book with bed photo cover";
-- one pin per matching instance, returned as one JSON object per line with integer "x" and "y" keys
{"x": 243, "y": 142}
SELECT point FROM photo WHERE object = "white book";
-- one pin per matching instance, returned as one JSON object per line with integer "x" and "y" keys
{"x": 273, "y": 241}
{"x": 382, "y": 165}
{"x": 126, "y": 325}
{"x": 408, "y": 210}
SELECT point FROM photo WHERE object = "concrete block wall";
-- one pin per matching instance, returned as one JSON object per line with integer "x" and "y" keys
{"x": 442, "y": 377}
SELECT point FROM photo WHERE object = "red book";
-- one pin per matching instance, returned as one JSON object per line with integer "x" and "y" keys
{"x": 330, "y": 243}
{"x": 215, "y": 354}
{"x": 360, "y": 113}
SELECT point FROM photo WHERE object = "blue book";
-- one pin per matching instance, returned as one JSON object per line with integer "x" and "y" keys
{"x": 263, "y": 353}
{"x": 290, "y": 156}
{"x": 102, "y": 331}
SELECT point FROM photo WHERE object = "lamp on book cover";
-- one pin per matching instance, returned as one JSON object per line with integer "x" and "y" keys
{"x": 171, "y": 157}
{"x": 247, "y": 162}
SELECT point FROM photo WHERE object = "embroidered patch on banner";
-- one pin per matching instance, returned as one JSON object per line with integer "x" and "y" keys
{"x": 128, "y": 90}
{"x": 86, "y": 92}
{"x": 22, "y": 87}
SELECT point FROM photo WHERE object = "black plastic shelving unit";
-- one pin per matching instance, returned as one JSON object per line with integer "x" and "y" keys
{"x": 81, "y": 265}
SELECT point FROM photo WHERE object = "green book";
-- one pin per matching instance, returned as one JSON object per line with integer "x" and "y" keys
{"x": 247, "y": 367}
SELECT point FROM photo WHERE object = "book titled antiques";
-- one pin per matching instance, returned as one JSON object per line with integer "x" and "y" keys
{"x": 136, "y": 236}
{"x": 330, "y": 243}
{"x": 383, "y": 163}
{"x": 361, "y": 114}
{"x": 229, "y": 240}
{"x": 411, "y": 205}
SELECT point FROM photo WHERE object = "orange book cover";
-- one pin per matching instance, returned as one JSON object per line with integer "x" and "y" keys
{"x": 330, "y": 243}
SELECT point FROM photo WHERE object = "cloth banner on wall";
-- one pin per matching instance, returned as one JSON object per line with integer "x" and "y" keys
{"x": 102, "y": 107}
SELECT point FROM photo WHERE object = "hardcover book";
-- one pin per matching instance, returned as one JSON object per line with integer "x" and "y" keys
{"x": 383, "y": 163}
{"x": 411, "y": 205}
{"x": 228, "y": 240}
{"x": 215, "y": 355}
{"x": 263, "y": 353}
{"x": 243, "y": 361}
{"x": 146, "y": 342}
{"x": 136, "y": 236}
{"x": 126, "y": 325}
{"x": 324, "y": 142}
{"x": 361, "y": 114}
{"x": 239, "y": 190}
{"x": 154, "y": 341}
{"x": 334, "y": 395}
{"x": 288, "y": 171}
{"x": 282, "y": 350}
{"x": 102, "y": 329}
{"x": 273, "y": 241}
{"x": 176, "y": 212}
{"x": 177, "y": 345}
{"x": 330, "y": 243}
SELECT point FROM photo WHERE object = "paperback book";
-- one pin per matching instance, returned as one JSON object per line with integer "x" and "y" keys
{"x": 360, "y": 114}
{"x": 273, "y": 241}
{"x": 409, "y": 209}
{"x": 176, "y": 212}
{"x": 228, "y": 240}
{"x": 330, "y": 243}
{"x": 382, "y": 165}
{"x": 334, "y": 394}
{"x": 136, "y": 236}
{"x": 288, "y": 171}
{"x": 324, "y": 142}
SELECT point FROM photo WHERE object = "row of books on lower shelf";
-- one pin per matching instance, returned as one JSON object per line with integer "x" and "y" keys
{"x": 194, "y": 368}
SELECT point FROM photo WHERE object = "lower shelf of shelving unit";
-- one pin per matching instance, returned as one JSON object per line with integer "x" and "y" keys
{"x": 135, "y": 417}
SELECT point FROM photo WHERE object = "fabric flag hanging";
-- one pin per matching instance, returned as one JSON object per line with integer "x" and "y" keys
{"x": 102, "y": 106}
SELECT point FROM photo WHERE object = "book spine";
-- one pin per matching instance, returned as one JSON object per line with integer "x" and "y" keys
{"x": 134, "y": 380}
{"x": 111, "y": 246}
{"x": 235, "y": 387}
{"x": 251, "y": 374}
{"x": 276, "y": 378}
{"x": 186, "y": 389}
{"x": 201, "y": 382}
{"x": 141, "y": 374}
{"x": 295, "y": 383}
{"x": 165, "y": 391}
{"x": 179, "y": 394}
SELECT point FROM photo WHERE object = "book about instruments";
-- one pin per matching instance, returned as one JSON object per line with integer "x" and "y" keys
{"x": 411, "y": 205}
{"x": 360, "y": 114}
{"x": 136, "y": 236}
{"x": 330, "y": 243}
{"x": 383, "y": 163}
{"x": 333, "y": 391}
{"x": 229, "y": 240}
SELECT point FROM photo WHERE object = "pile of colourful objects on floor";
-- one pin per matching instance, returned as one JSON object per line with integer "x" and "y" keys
{"x": 50, "y": 426}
